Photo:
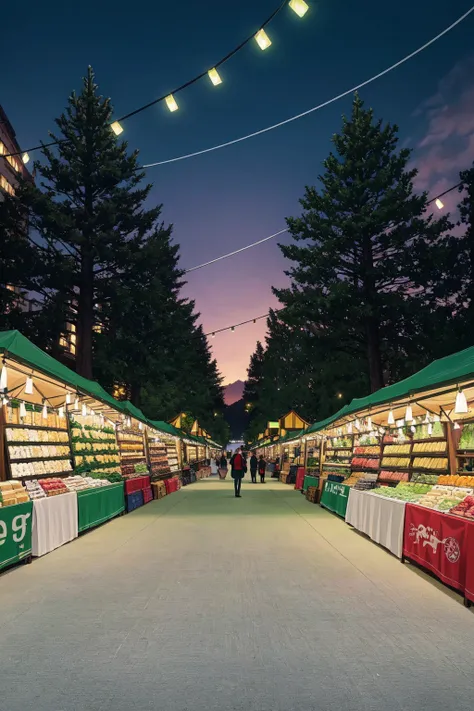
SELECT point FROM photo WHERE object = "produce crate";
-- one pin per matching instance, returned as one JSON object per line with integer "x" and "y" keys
{"x": 147, "y": 495}
{"x": 313, "y": 494}
{"x": 134, "y": 501}
{"x": 159, "y": 489}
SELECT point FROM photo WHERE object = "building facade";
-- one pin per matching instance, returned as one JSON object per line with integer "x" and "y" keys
{"x": 11, "y": 167}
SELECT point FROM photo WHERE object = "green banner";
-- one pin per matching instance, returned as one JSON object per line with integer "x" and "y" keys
{"x": 310, "y": 480}
{"x": 95, "y": 506}
{"x": 335, "y": 497}
{"x": 15, "y": 533}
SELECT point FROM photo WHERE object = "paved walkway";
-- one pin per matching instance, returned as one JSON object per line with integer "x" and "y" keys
{"x": 200, "y": 602}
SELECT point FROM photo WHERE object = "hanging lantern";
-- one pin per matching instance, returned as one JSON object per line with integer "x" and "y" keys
{"x": 413, "y": 428}
{"x": 408, "y": 414}
{"x": 84, "y": 411}
{"x": 61, "y": 413}
{"x": 427, "y": 419}
{"x": 460, "y": 407}
{"x": 25, "y": 158}
{"x": 68, "y": 398}
{"x": 391, "y": 419}
{"x": 214, "y": 76}
{"x": 171, "y": 103}
{"x": 22, "y": 409}
{"x": 45, "y": 412}
{"x": 299, "y": 6}
{"x": 29, "y": 386}
{"x": 430, "y": 429}
{"x": 369, "y": 423}
{"x": 439, "y": 204}
{"x": 76, "y": 403}
{"x": 116, "y": 128}
{"x": 263, "y": 40}
{"x": 4, "y": 378}
{"x": 140, "y": 425}
{"x": 456, "y": 426}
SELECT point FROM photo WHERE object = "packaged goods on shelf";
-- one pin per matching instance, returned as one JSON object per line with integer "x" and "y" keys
{"x": 132, "y": 453}
{"x": 26, "y": 435}
{"x": 40, "y": 468}
{"x": 400, "y": 462}
{"x": 364, "y": 463}
{"x": 372, "y": 449}
{"x": 35, "y": 491}
{"x": 430, "y": 463}
{"x": 365, "y": 484}
{"x": 12, "y": 492}
{"x": 430, "y": 447}
{"x": 391, "y": 449}
{"x": 353, "y": 479}
{"x": 53, "y": 486}
{"x": 39, "y": 451}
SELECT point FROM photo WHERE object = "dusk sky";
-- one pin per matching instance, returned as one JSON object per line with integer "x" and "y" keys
{"x": 228, "y": 198}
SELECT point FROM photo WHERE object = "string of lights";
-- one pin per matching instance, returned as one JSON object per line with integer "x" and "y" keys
{"x": 260, "y": 36}
{"x": 437, "y": 200}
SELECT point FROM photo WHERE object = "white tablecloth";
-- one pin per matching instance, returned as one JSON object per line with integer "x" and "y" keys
{"x": 379, "y": 518}
{"x": 54, "y": 522}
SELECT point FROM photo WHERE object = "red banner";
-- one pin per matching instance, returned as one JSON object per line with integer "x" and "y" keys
{"x": 137, "y": 484}
{"x": 438, "y": 542}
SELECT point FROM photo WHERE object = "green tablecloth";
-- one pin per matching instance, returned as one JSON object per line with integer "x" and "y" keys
{"x": 98, "y": 505}
{"x": 310, "y": 480}
{"x": 335, "y": 497}
{"x": 15, "y": 533}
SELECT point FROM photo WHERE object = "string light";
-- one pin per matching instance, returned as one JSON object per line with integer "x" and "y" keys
{"x": 29, "y": 385}
{"x": 171, "y": 103}
{"x": 214, "y": 76}
{"x": 439, "y": 204}
{"x": 299, "y": 6}
{"x": 116, "y": 128}
{"x": 263, "y": 40}
{"x": 25, "y": 158}
{"x": 286, "y": 121}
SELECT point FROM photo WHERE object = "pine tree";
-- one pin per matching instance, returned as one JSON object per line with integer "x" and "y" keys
{"x": 91, "y": 207}
{"x": 367, "y": 242}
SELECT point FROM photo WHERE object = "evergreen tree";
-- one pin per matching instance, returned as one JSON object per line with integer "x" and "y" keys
{"x": 368, "y": 243}
{"x": 91, "y": 207}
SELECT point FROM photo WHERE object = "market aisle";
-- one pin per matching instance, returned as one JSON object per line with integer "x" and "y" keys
{"x": 201, "y": 601}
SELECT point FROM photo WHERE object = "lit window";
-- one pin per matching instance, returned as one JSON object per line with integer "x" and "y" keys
{"x": 62, "y": 342}
{"x": 14, "y": 163}
{"x": 5, "y": 185}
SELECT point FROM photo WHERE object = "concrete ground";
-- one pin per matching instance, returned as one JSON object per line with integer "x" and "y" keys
{"x": 202, "y": 601}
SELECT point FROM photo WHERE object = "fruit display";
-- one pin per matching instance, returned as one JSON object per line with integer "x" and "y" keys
{"x": 429, "y": 447}
{"x": 82, "y": 483}
{"x": 365, "y": 484}
{"x": 25, "y": 435}
{"x": 40, "y": 468}
{"x": 373, "y": 449}
{"x": 456, "y": 480}
{"x": 53, "y": 486}
{"x": 343, "y": 471}
{"x": 353, "y": 479}
{"x": 430, "y": 463}
{"x": 38, "y": 451}
{"x": 391, "y": 449}
{"x": 158, "y": 457}
{"x": 35, "y": 491}
{"x": 435, "y": 432}
{"x": 444, "y": 498}
{"x": 12, "y": 492}
{"x": 418, "y": 478}
{"x": 401, "y": 462}
{"x": 337, "y": 458}
{"x": 172, "y": 454}
{"x": 93, "y": 444}
{"x": 404, "y": 491}
{"x": 464, "y": 508}
{"x": 132, "y": 452}
{"x": 387, "y": 475}
{"x": 312, "y": 462}
{"x": 364, "y": 463}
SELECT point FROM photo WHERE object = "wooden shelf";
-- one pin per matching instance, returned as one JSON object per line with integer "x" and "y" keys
{"x": 37, "y": 427}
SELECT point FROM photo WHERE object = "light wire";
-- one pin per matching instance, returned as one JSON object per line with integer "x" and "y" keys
{"x": 319, "y": 106}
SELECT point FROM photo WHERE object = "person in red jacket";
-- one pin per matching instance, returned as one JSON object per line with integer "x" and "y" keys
{"x": 239, "y": 467}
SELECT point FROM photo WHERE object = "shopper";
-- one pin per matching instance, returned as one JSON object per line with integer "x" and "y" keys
{"x": 262, "y": 465}
{"x": 223, "y": 466}
{"x": 239, "y": 468}
{"x": 276, "y": 470}
{"x": 253, "y": 468}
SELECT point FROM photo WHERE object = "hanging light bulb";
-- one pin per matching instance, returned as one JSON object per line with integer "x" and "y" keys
{"x": 29, "y": 386}
{"x": 408, "y": 414}
{"x": 22, "y": 409}
{"x": 45, "y": 412}
{"x": 263, "y": 40}
{"x": 461, "y": 403}
{"x": 171, "y": 103}
{"x": 61, "y": 413}
{"x": 68, "y": 398}
{"x": 76, "y": 403}
{"x": 140, "y": 425}
{"x": 214, "y": 76}
{"x": 116, "y": 128}
{"x": 299, "y": 6}
{"x": 4, "y": 377}
{"x": 439, "y": 204}
{"x": 84, "y": 411}
{"x": 430, "y": 429}
{"x": 456, "y": 426}
{"x": 391, "y": 419}
{"x": 369, "y": 423}
{"x": 427, "y": 419}
{"x": 413, "y": 428}
{"x": 25, "y": 158}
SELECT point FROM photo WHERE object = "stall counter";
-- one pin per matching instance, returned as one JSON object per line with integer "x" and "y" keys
{"x": 379, "y": 518}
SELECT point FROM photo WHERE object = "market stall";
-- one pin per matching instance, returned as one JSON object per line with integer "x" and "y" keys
{"x": 95, "y": 506}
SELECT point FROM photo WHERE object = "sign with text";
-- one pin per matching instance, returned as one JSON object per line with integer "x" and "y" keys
{"x": 15, "y": 533}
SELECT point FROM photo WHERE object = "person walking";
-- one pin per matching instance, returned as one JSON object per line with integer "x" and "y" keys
{"x": 262, "y": 465}
{"x": 253, "y": 468}
{"x": 223, "y": 466}
{"x": 239, "y": 468}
